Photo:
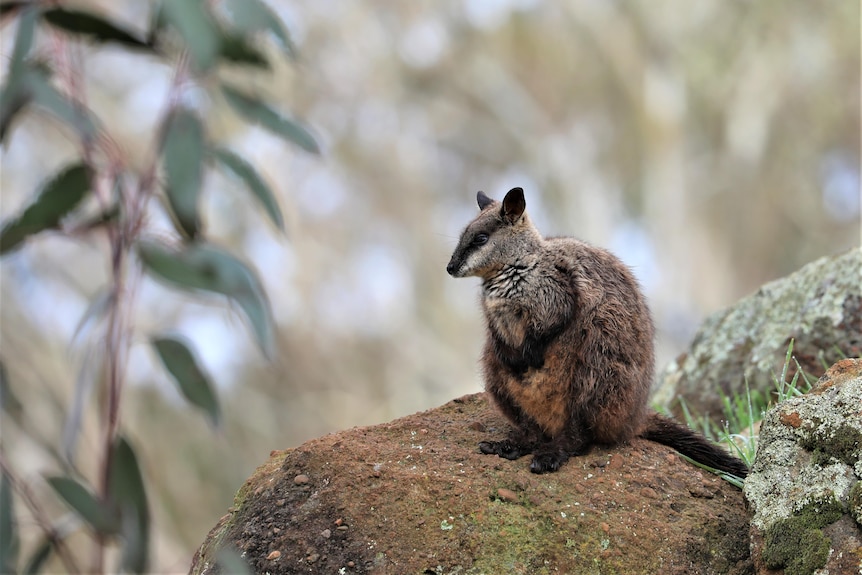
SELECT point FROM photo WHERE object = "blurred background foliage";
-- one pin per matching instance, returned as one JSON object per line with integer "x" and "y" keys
{"x": 712, "y": 145}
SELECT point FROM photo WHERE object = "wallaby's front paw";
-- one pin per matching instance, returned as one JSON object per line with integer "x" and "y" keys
{"x": 505, "y": 449}
{"x": 548, "y": 461}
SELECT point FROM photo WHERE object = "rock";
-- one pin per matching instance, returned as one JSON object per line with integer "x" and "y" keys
{"x": 806, "y": 475}
{"x": 507, "y": 495}
{"x": 442, "y": 507}
{"x": 819, "y": 307}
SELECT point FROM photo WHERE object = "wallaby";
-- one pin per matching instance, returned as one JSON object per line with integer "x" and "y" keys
{"x": 569, "y": 352}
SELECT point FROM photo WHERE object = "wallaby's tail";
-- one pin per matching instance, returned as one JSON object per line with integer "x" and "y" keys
{"x": 668, "y": 432}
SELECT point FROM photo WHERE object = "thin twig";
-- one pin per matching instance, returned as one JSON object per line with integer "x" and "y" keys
{"x": 71, "y": 70}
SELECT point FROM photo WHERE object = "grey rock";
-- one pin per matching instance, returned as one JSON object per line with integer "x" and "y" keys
{"x": 818, "y": 306}
{"x": 802, "y": 484}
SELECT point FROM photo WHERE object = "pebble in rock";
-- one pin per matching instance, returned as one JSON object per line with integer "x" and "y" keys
{"x": 507, "y": 495}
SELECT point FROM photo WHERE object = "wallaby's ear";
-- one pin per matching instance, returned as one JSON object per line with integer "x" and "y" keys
{"x": 483, "y": 200}
{"x": 513, "y": 205}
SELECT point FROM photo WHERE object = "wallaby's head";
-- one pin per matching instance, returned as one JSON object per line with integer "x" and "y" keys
{"x": 500, "y": 236}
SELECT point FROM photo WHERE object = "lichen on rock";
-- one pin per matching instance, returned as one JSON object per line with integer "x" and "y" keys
{"x": 806, "y": 478}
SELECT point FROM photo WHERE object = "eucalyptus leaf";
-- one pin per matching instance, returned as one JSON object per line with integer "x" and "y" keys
{"x": 92, "y": 26}
{"x": 60, "y": 530}
{"x": 46, "y": 96}
{"x": 253, "y": 181}
{"x": 17, "y": 92}
{"x": 96, "y": 310}
{"x": 88, "y": 379}
{"x": 39, "y": 557}
{"x": 14, "y": 98}
{"x": 258, "y": 112}
{"x": 24, "y": 38}
{"x": 9, "y": 403}
{"x": 201, "y": 266}
{"x": 157, "y": 22}
{"x": 9, "y": 540}
{"x": 236, "y": 49}
{"x": 250, "y": 16}
{"x": 182, "y": 154}
{"x": 101, "y": 516}
{"x": 128, "y": 491}
{"x": 197, "y": 28}
{"x": 56, "y": 199}
{"x": 193, "y": 382}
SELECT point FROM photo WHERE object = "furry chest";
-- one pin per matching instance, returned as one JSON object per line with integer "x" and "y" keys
{"x": 506, "y": 319}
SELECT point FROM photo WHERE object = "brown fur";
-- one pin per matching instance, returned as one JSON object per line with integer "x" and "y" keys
{"x": 569, "y": 354}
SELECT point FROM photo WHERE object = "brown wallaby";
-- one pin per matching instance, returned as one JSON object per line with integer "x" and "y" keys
{"x": 569, "y": 353}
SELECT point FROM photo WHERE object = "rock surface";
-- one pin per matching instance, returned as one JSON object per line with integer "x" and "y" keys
{"x": 416, "y": 496}
{"x": 818, "y": 306}
{"x": 804, "y": 488}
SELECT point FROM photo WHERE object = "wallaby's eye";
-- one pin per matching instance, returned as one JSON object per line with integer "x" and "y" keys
{"x": 480, "y": 239}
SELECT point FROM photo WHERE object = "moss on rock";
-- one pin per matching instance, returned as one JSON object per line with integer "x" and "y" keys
{"x": 797, "y": 543}
{"x": 798, "y": 550}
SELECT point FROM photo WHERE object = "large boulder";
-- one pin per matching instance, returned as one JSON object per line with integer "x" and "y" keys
{"x": 819, "y": 307}
{"x": 416, "y": 496}
{"x": 805, "y": 491}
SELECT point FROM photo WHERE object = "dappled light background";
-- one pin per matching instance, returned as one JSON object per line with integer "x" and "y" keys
{"x": 713, "y": 146}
